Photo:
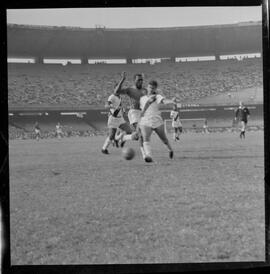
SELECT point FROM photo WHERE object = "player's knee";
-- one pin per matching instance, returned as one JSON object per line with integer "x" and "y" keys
{"x": 135, "y": 136}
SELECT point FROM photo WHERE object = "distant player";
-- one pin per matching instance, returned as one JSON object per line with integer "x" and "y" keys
{"x": 242, "y": 114}
{"x": 59, "y": 131}
{"x": 116, "y": 121}
{"x": 134, "y": 93}
{"x": 151, "y": 119}
{"x": 37, "y": 131}
{"x": 205, "y": 127}
{"x": 176, "y": 122}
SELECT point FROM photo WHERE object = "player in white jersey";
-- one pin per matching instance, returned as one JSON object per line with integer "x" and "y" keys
{"x": 205, "y": 127}
{"x": 115, "y": 120}
{"x": 151, "y": 119}
{"x": 176, "y": 122}
{"x": 59, "y": 131}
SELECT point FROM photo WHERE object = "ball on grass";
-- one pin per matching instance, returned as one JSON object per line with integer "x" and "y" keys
{"x": 128, "y": 153}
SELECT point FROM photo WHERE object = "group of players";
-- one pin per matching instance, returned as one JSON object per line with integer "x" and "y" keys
{"x": 145, "y": 117}
{"x": 58, "y": 130}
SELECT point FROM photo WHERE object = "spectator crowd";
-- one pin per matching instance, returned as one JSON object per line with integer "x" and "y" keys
{"x": 76, "y": 85}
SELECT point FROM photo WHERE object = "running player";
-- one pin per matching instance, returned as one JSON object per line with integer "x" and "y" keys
{"x": 134, "y": 93}
{"x": 242, "y": 114}
{"x": 116, "y": 120}
{"x": 205, "y": 127}
{"x": 59, "y": 131}
{"x": 151, "y": 119}
{"x": 37, "y": 131}
{"x": 176, "y": 123}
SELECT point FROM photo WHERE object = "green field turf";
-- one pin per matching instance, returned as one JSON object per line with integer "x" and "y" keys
{"x": 70, "y": 204}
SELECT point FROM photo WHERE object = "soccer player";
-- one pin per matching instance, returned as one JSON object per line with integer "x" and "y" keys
{"x": 205, "y": 127}
{"x": 176, "y": 123}
{"x": 37, "y": 131}
{"x": 151, "y": 119}
{"x": 242, "y": 113}
{"x": 134, "y": 93}
{"x": 59, "y": 131}
{"x": 116, "y": 120}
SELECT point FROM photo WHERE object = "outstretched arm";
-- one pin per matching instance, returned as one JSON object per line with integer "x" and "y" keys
{"x": 171, "y": 102}
{"x": 118, "y": 89}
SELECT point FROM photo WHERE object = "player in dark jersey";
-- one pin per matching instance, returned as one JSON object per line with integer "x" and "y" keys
{"x": 37, "y": 131}
{"x": 134, "y": 93}
{"x": 242, "y": 114}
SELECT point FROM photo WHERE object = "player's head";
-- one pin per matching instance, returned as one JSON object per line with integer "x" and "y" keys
{"x": 152, "y": 87}
{"x": 138, "y": 80}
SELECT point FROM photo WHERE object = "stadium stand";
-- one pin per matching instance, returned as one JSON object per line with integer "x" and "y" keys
{"x": 77, "y": 85}
{"x": 22, "y": 127}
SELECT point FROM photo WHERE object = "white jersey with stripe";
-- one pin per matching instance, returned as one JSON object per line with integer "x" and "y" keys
{"x": 153, "y": 109}
{"x": 175, "y": 115}
{"x": 115, "y": 103}
{"x": 152, "y": 116}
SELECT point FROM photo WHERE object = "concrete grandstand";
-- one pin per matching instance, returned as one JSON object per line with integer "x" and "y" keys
{"x": 67, "y": 42}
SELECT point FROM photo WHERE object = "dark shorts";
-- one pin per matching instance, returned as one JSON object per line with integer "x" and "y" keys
{"x": 126, "y": 127}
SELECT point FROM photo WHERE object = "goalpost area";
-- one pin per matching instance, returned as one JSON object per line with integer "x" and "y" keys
{"x": 215, "y": 118}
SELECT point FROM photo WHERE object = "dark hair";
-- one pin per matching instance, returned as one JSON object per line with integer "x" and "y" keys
{"x": 153, "y": 83}
{"x": 137, "y": 75}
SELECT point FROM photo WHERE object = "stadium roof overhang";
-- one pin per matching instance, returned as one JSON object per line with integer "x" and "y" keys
{"x": 67, "y": 42}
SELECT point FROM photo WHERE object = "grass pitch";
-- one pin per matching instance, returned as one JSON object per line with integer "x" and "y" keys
{"x": 70, "y": 204}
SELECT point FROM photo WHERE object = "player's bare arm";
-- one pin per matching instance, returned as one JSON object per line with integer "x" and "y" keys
{"x": 118, "y": 89}
{"x": 168, "y": 101}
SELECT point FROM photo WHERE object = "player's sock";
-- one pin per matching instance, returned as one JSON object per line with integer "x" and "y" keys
{"x": 147, "y": 149}
{"x": 116, "y": 143}
{"x": 244, "y": 134}
{"x": 174, "y": 137}
{"x": 143, "y": 152}
{"x": 106, "y": 143}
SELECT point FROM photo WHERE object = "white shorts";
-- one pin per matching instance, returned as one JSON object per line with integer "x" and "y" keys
{"x": 37, "y": 131}
{"x": 134, "y": 116}
{"x": 59, "y": 131}
{"x": 153, "y": 121}
{"x": 243, "y": 125}
{"x": 115, "y": 122}
{"x": 176, "y": 124}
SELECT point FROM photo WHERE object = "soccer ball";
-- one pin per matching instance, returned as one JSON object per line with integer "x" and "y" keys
{"x": 128, "y": 153}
